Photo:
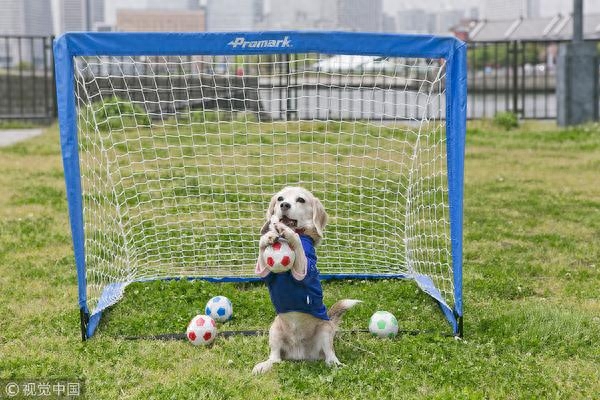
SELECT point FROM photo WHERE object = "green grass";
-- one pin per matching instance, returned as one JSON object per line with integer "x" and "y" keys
{"x": 17, "y": 124}
{"x": 194, "y": 195}
{"x": 531, "y": 294}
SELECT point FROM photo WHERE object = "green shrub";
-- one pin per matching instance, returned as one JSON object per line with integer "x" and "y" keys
{"x": 200, "y": 116}
{"x": 187, "y": 117}
{"x": 506, "y": 120}
{"x": 115, "y": 113}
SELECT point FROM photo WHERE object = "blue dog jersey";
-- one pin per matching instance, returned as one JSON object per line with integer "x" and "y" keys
{"x": 306, "y": 295}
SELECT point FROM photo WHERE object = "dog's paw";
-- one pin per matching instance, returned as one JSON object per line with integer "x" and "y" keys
{"x": 268, "y": 239}
{"x": 262, "y": 367}
{"x": 287, "y": 233}
{"x": 334, "y": 362}
{"x": 282, "y": 229}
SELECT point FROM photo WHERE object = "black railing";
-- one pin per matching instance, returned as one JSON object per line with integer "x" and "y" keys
{"x": 516, "y": 76}
{"x": 27, "y": 88}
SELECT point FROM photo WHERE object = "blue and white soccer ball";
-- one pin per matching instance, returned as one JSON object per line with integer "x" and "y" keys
{"x": 383, "y": 324}
{"x": 219, "y": 308}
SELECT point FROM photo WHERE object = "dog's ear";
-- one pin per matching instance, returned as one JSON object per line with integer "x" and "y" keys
{"x": 270, "y": 212}
{"x": 319, "y": 217}
{"x": 265, "y": 228}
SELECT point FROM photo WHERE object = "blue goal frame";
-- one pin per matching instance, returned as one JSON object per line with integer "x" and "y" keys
{"x": 451, "y": 49}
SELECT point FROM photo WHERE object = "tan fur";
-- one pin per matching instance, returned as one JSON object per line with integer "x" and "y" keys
{"x": 300, "y": 336}
{"x": 296, "y": 335}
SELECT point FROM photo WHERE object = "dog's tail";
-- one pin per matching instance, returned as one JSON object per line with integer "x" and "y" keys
{"x": 338, "y": 309}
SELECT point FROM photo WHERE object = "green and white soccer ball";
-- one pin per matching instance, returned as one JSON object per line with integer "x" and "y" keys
{"x": 383, "y": 324}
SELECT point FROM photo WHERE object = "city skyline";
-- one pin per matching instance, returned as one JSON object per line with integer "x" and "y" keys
{"x": 391, "y": 8}
{"x": 547, "y": 7}
{"x": 25, "y": 16}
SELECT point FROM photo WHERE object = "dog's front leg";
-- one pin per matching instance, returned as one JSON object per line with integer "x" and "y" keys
{"x": 325, "y": 342}
{"x": 299, "y": 267}
{"x": 267, "y": 239}
{"x": 330, "y": 358}
{"x": 266, "y": 366}
{"x": 276, "y": 344}
{"x": 288, "y": 234}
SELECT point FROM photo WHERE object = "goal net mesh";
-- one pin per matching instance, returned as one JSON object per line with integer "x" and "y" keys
{"x": 180, "y": 156}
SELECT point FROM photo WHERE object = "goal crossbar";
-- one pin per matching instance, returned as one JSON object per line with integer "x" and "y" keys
{"x": 71, "y": 45}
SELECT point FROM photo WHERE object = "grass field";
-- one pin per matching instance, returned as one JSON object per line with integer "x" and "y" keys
{"x": 531, "y": 288}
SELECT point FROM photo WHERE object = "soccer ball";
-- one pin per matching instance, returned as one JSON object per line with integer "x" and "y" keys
{"x": 201, "y": 330}
{"x": 383, "y": 324}
{"x": 279, "y": 257}
{"x": 219, "y": 308}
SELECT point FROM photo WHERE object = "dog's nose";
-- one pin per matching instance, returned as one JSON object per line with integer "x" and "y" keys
{"x": 285, "y": 206}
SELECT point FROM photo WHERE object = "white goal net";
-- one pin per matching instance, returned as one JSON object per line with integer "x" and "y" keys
{"x": 180, "y": 156}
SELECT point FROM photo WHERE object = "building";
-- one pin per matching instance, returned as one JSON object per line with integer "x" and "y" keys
{"x": 173, "y": 4}
{"x": 443, "y": 21}
{"x": 112, "y": 6}
{"x": 169, "y": 20}
{"x": 80, "y": 15}
{"x": 24, "y": 17}
{"x": 439, "y": 22}
{"x": 414, "y": 21}
{"x": 72, "y": 16}
{"x": 360, "y": 15}
{"x": 558, "y": 27}
{"x": 388, "y": 24}
{"x": 97, "y": 8}
{"x": 127, "y": 10}
{"x": 303, "y": 15}
{"x": 511, "y": 9}
{"x": 591, "y": 27}
{"x": 347, "y": 15}
{"x": 233, "y": 15}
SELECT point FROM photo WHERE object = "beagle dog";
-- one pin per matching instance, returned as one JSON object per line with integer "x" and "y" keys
{"x": 303, "y": 328}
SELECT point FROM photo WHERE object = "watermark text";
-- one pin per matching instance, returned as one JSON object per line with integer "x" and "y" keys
{"x": 42, "y": 388}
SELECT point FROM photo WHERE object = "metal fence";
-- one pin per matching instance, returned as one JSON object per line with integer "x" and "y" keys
{"x": 513, "y": 76}
{"x": 518, "y": 77}
{"x": 27, "y": 89}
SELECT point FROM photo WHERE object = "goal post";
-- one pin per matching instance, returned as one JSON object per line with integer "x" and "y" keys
{"x": 173, "y": 144}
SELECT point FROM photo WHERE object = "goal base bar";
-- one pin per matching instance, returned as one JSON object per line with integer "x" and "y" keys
{"x": 113, "y": 292}
{"x": 264, "y": 332}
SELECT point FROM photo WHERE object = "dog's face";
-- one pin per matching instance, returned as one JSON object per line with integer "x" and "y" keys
{"x": 298, "y": 209}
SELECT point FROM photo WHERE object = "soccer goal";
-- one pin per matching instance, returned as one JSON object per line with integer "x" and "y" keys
{"x": 173, "y": 145}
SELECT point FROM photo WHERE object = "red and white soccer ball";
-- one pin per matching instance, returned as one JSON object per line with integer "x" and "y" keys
{"x": 201, "y": 330}
{"x": 279, "y": 257}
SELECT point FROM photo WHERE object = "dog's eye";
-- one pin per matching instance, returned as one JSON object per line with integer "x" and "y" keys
{"x": 280, "y": 198}
{"x": 300, "y": 200}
